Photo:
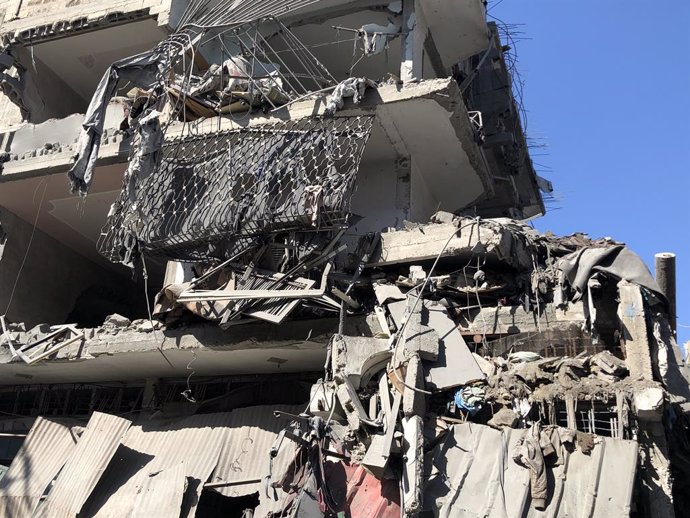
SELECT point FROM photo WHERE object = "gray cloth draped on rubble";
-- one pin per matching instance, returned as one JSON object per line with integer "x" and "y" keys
{"x": 144, "y": 70}
{"x": 619, "y": 261}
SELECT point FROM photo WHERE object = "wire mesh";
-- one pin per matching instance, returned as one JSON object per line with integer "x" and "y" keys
{"x": 209, "y": 190}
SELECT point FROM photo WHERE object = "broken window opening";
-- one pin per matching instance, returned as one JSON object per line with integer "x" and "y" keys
{"x": 595, "y": 417}
{"x": 69, "y": 400}
{"x": 44, "y": 91}
{"x": 215, "y": 505}
{"x": 50, "y": 273}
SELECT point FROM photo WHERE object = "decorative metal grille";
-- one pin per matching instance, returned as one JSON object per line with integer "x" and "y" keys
{"x": 210, "y": 191}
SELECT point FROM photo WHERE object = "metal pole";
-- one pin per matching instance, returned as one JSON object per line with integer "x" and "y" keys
{"x": 665, "y": 266}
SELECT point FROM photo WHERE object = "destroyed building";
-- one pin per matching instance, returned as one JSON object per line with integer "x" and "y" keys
{"x": 272, "y": 259}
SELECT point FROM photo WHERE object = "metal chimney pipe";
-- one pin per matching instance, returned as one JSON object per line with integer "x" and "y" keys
{"x": 665, "y": 266}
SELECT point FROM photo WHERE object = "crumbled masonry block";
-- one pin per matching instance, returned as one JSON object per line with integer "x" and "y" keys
{"x": 426, "y": 242}
{"x": 504, "y": 418}
{"x": 443, "y": 217}
{"x": 377, "y": 455}
{"x": 347, "y": 395}
{"x": 117, "y": 321}
{"x": 419, "y": 337}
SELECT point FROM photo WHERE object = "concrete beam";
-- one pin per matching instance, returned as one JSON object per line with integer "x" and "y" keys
{"x": 413, "y": 471}
{"x": 133, "y": 354}
{"x": 414, "y": 35}
{"x": 40, "y": 22}
{"x": 499, "y": 320}
{"x": 413, "y": 401}
{"x": 464, "y": 239}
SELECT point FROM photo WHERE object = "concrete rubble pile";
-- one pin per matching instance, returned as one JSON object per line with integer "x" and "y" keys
{"x": 490, "y": 342}
{"x": 493, "y": 353}
{"x": 554, "y": 346}
{"x": 484, "y": 337}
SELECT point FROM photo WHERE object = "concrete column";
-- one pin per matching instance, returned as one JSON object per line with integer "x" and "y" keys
{"x": 665, "y": 269}
{"x": 631, "y": 313}
{"x": 657, "y": 497}
{"x": 412, "y": 52}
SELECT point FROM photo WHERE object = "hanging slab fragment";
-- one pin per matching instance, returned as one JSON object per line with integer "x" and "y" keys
{"x": 388, "y": 293}
{"x": 455, "y": 365}
{"x": 360, "y": 357}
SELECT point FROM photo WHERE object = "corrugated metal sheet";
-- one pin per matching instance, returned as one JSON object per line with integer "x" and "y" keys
{"x": 156, "y": 445}
{"x": 120, "y": 470}
{"x": 245, "y": 455}
{"x": 161, "y": 494}
{"x": 85, "y": 466}
{"x": 473, "y": 474}
{"x": 47, "y": 447}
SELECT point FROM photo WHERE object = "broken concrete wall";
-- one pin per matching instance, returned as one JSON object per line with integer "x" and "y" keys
{"x": 10, "y": 114}
{"x": 46, "y": 95}
{"x": 38, "y": 17}
{"x": 50, "y": 276}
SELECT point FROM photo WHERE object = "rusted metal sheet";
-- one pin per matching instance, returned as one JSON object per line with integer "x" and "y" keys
{"x": 152, "y": 446}
{"x": 84, "y": 468}
{"x": 245, "y": 455}
{"x": 47, "y": 447}
{"x": 359, "y": 494}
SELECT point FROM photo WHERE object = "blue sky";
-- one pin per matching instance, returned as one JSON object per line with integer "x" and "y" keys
{"x": 607, "y": 90}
